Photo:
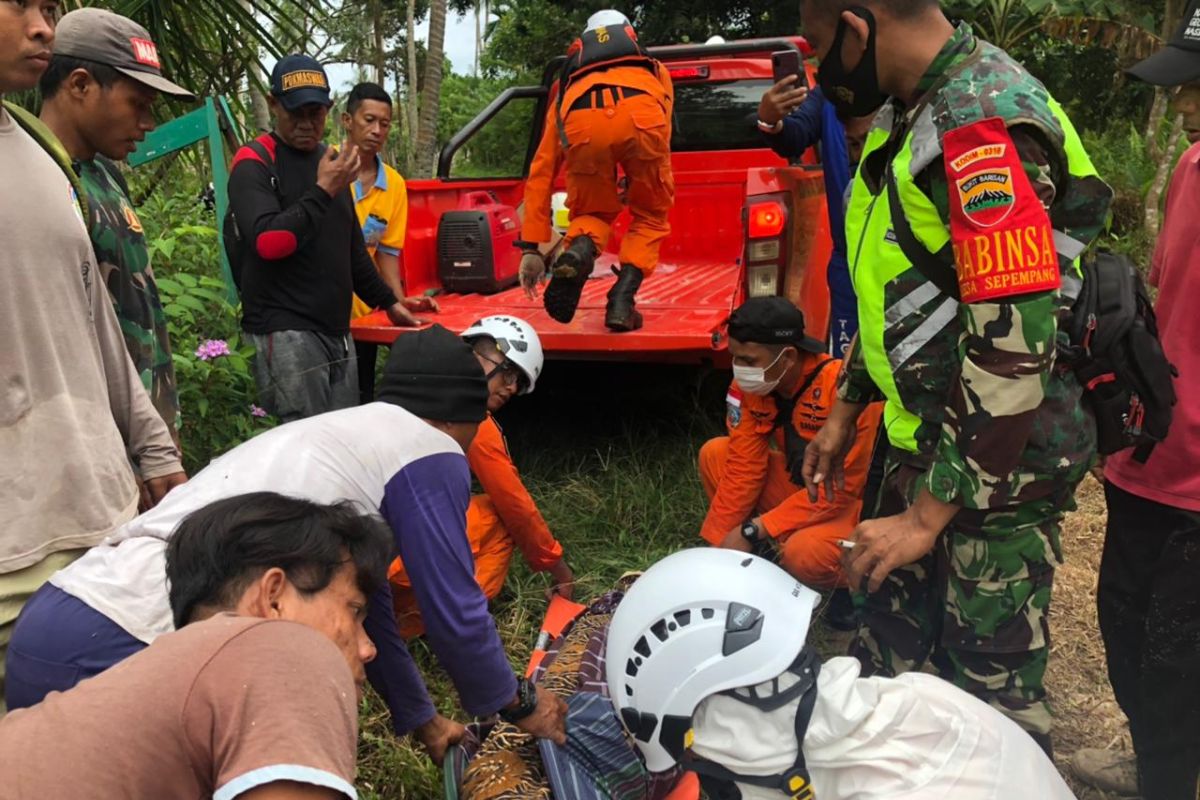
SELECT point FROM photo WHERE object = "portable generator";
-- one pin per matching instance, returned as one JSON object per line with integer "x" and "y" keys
{"x": 475, "y": 246}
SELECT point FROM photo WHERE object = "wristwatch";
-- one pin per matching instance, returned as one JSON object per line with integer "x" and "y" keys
{"x": 526, "y": 702}
{"x": 750, "y": 531}
{"x": 528, "y": 247}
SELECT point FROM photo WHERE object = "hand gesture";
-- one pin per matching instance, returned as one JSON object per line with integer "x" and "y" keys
{"x": 533, "y": 267}
{"x": 338, "y": 168}
{"x": 781, "y": 99}
{"x": 401, "y": 317}
{"x": 563, "y": 581}
{"x": 421, "y": 303}
{"x": 882, "y": 545}
{"x": 437, "y": 735}
{"x": 825, "y": 458}
{"x": 549, "y": 720}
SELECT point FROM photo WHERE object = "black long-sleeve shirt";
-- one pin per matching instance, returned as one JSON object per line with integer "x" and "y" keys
{"x": 305, "y": 252}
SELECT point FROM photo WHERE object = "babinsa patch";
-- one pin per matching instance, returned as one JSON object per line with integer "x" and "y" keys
{"x": 1000, "y": 231}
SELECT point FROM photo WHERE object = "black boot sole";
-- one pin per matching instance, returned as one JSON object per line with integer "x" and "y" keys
{"x": 561, "y": 298}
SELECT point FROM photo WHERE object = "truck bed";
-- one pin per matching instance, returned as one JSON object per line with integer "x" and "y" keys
{"x": 684, "y": 305}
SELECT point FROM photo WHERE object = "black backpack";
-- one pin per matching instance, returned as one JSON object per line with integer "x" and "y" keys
{"x": 1114, "y": 349}
{"x": 236, "y": 246}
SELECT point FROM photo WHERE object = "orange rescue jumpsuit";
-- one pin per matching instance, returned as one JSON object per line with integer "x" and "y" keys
{"x": 745, "y": 474}
{"x": 502, "y": 519}
{"x": 635, "y": 133}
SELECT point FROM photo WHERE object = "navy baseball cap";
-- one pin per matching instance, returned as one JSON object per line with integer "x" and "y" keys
{"x": 299, "y": 80}
{"x": 1179, "y": 62}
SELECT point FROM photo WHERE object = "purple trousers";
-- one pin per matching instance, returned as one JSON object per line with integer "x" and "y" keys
{"x": 58, "y": 641}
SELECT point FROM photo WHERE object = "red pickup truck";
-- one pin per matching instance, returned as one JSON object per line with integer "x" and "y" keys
{"x": 745, "y": 223}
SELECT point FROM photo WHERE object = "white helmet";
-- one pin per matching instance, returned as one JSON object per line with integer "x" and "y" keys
{"x": 516, "y": 339}
{"x": 699, "y": 622}
{"x": 606, "y": 18}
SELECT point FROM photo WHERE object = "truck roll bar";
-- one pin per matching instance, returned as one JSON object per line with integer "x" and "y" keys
{"x": 482, "y": 118}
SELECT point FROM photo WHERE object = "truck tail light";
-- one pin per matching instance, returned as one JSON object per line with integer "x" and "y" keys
{"x": 688, "y": 73}
{"x": 766, "y": 245}
{"x": 762, "y": 280}
{"x": 766, "y": 219}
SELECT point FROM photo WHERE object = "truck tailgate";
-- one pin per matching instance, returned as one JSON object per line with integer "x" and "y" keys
{"x": 684, "y": 305}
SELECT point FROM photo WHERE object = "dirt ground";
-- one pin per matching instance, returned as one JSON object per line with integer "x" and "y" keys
{"x": 1087, "y": 715}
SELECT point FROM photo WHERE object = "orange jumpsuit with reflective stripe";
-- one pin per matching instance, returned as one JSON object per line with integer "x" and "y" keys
{"x": 745, "y": 474}
{"x": 499, "y": 521}
{"x": 634, "y": 133}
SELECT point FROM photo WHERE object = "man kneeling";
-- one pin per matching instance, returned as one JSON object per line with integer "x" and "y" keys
{"x": 273, "y": 592}
{"x": 784, "y": 385}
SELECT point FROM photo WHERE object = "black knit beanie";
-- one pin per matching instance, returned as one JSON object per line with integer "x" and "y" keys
{"x": 434, "y": 374}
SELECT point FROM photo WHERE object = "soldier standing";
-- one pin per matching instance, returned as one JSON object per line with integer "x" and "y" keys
{"x": 99, "y": 92}
{"x": 971, "y": 206}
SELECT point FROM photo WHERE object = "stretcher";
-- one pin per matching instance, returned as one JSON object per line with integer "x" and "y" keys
{"x": 559, "y": 618}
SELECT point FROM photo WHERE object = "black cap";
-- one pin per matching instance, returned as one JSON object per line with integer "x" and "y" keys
{"x": 435, "y": 375}
{"x": 1179, "y": 61}
{"x": 771, "y": 320}
{"x": 299, "y": 80}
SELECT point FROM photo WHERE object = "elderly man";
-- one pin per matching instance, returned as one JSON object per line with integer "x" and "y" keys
{"x": 303, "y": 255}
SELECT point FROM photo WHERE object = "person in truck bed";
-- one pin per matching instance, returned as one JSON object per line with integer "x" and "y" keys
{"x": 784, "y": 385}
{"x": 614, "y": 107}
{"x": 504, "y": 517}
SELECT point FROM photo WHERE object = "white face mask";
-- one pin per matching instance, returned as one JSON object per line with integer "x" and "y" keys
{"x": 753, "y": 380}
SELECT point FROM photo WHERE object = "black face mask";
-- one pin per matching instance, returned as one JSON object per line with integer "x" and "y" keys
{"x": 854, "y": 93}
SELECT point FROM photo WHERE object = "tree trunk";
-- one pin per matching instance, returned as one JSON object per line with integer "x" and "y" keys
{"x": 377, "y": 54}
{"x": 255, "y": 80}
{"x": 432, "y": 90}
{"x": 1159, "y": 184}
{"x": 414, "y": 126}
{"x": 1158, "y": 110}
{"x": 478, "y": 37}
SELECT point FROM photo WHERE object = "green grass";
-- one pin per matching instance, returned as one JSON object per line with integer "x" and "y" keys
{"x": 609, "y": 453}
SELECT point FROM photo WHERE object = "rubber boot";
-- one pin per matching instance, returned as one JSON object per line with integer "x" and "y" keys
{"x": 567, "y": 278}
{"x": 621, "y": 314}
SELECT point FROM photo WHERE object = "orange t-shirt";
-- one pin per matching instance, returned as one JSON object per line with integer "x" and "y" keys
{"x": 494, "y": 469}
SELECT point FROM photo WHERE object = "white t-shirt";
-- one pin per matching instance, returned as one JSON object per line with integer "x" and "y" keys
{"x": 342, "y": 455}
{"x": 914, "y": 737}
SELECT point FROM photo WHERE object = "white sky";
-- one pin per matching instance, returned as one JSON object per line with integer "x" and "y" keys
{"x": 460, "y": 49}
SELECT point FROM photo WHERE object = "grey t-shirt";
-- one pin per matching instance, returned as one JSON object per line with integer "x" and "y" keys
{"x": 70, "y": 400}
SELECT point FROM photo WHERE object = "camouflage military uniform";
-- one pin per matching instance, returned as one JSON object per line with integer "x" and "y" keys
{"x": 997, "y": 426}
{"x": 124, "y": 260}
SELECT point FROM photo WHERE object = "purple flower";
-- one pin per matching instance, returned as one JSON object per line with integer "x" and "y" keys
{"x": 213, "y": 348}
{"x": 256, "y": 411}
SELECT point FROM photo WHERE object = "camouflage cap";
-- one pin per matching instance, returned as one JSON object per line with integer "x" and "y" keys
{"x": 95, "y": 34}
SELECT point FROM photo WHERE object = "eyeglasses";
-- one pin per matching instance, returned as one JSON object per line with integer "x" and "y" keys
{"x": 512, "y": 374}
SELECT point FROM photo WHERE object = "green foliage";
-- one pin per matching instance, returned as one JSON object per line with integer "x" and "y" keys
{"x": 216, "y": 394}
{"x": 1122, "y": 158}
{"x": 498, "y": 150}
{"x": 1087, "y": 80}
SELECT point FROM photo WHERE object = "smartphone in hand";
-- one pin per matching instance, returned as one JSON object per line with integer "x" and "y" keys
{"x": 785, "y": 63}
